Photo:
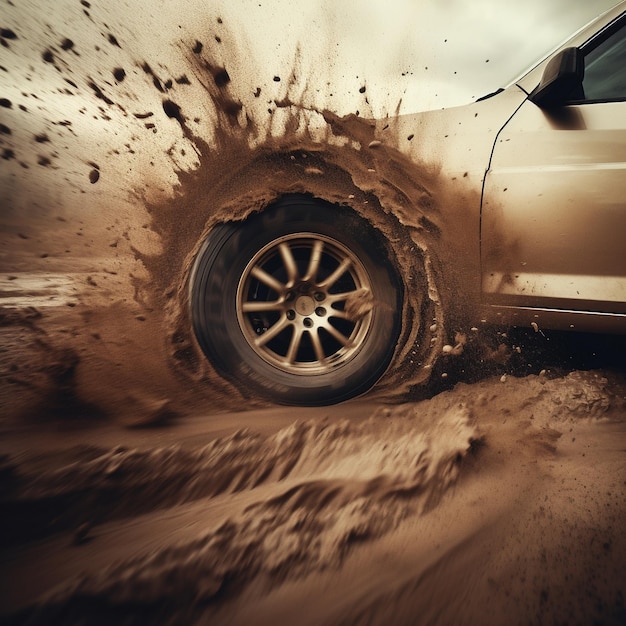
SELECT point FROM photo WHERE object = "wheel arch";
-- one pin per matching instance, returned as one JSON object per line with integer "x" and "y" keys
{"x": 406, "y": 246}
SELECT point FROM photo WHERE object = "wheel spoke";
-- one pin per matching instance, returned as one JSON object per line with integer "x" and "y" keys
{"x": 314, "y": 262}
{"x": 267, "y": 279}
{"x": 317, "y": 346}
{"x": 333, "y": 298}
{"x": 345, "y": 296}
{"x": 294, "y": 345}
{"x": 290, "y": 264}
{"x": 340, "y": 337}
{"x": 342, "y": 315}
{"x": 261, "y": 307}
{"x": 336, "y": 275}
{"x": 272, "y": 332}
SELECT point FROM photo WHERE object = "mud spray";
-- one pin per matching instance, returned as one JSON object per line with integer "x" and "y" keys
{"x": 331, "y": 486}
{"x": 116, "y": 165}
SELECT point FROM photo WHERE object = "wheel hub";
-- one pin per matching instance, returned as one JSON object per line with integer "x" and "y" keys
{"x": 305, "y": 305}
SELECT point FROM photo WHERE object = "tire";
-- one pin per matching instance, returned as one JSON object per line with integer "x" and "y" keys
{"x": 299, "y": 304}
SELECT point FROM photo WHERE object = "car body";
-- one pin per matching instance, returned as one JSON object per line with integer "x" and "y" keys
{"x": 531, "y": 188}
{"x": 550, "y": 212}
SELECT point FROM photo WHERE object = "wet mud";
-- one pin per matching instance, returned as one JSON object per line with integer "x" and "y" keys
{"x": 491, "y": 492}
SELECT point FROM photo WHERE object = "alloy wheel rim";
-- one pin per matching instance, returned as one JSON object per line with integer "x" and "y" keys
{"x": 305, "y": 304}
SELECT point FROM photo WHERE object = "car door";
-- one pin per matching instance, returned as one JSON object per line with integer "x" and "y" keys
{"x": 553, "y": 229}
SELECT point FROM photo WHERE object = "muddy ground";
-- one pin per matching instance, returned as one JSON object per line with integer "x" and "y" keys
{"x": 495, "y": 495}
{"x": 484, "y": 486}
{"x": 500, "y": 501}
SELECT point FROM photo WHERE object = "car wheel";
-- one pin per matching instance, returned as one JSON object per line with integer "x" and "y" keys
{"x": 299, "y": 304}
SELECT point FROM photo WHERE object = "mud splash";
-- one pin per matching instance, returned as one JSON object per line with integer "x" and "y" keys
{"x": 471, "y": 492}
{"x": 336, "y": 485}
{"x": 117, "y": 164}
{"x": 122, "y": 482}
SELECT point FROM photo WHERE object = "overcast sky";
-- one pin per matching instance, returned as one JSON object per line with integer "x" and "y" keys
{"x": 435, "y": 52}
{"x": 426, "y": 53}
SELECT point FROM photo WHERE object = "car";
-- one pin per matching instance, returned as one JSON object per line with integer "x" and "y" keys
{"x": 311, "y": 302}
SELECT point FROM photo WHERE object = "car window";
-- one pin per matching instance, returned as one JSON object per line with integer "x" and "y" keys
{"x": 605, "y": 69}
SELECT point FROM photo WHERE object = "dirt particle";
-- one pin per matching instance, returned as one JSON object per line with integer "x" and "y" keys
{"x": 6, "y": 103}
{"x": 257, "y": 93}
{"x": 119, "y": 73}
{"x": 197, "y": 48}
{"x": 276, "y": 79}
{"x": 85, "y": 4}
{"x": 113, "y": 41}
{"x": 6, "y": 33}
{"x": 218, "y": 39}
{"x": 44, "y": 161}
{"x": 94, "y": 176}
{"x": 67, "y": 44}
{"x": 42, "y": 138}
{"x": 362, "y": 89}
{"x": 183, "y": 80}
{"x": 5, "y": 130}
{"x": 410, "y": 137}
{"x": 99, "y": 93}
{"x": 8, "y": 154}
{"x": 47, "y": 56}
{"x": 173, "y": 110}
{"x": 155, "y": 80}
{"x": 143, "y": 116}
{"x": 221, "y": 77}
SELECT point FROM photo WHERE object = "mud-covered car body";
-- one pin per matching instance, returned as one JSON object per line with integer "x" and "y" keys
{"x": 545, "y": 185}
{"x": 390, "y": 239}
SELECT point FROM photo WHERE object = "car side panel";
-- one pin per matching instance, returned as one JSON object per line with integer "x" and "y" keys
{"x": 554, "y": 210}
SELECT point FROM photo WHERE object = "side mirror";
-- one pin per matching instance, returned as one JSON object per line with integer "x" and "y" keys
{"x": 562, "y": 80}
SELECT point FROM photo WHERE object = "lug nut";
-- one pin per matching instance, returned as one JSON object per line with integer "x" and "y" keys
{"x": 319, "y": 296}
{"x": 320, "y": 311}
{"x": 308, "y": 322}
{"x": 291, "y": 315}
